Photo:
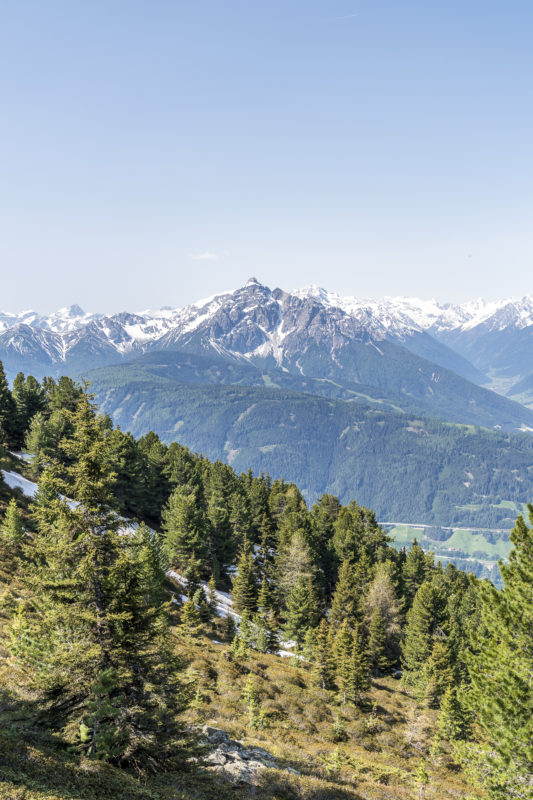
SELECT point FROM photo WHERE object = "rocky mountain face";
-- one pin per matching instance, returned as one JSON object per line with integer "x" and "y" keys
{"x": 397, "y": 344}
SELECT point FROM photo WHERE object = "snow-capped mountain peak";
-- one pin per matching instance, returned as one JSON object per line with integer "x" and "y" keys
{"x": 251, "y": 322}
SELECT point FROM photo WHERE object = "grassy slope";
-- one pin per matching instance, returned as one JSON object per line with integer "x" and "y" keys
{"x": 385, "y": 740}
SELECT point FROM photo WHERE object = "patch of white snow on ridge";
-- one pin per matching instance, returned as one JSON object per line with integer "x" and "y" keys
{"x": 16, "y": 481}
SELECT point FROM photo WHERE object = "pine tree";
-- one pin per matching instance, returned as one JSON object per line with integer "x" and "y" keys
{"x": 29, "y": 399}
{"x": 229, "y": 629}
{"x": 416, "y": 570}
{"x": 323, "y": 661}
{"x": 185, "y": 534}
{"x": 424, "y": 625}
{"x": 264, "y": 602}
{"x": 223, "y": 541}
{"x": 501, "y": 672}
{"x": 301, "y": 610}
{"x": 244, "y": 591}
{"x": 12, "y": 538}
{"x": 11, "y": 530}
{"x": 359, "y": 666}
{"x": 191, "y": 620}
{"x": 7, "y": 412}
{"x": 437, "y": 674}
{"x": 212, "y": 597}
{"x": 377, "y": 641}
{"x": 382, "y": 595}
{"x": 91, "y": 635}
{"x": 342, "y": 655}
{"x": 346, "y": 604}
{"x": 453, "y": 723}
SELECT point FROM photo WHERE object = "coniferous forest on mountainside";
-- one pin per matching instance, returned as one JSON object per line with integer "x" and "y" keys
{"x": 172, "y": 628}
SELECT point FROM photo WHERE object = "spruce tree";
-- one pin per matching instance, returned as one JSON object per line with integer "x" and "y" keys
{"x": 301, "y": 610}
{"x": 29, "y": 399}
{"x": 437, "y": 674}
{"x": 416, "y": 570}
{"x": 11, "y": 530}
{"x": 346, "y": 603}
{"x": 343, "y": 661}
{"x": 7, "y": 412}
{"x": 424, "y": 625}
{"x": 501, "y": 671}
{"x": 186, "y": 534}
{"x": 377, "y": 644}
{"x": 453, "y": 723}
{"x": 382, "y": 595}
{"x": 323, "y": 669}
{"x": 91, "y": 635}
{"x": 244, "y": 591}
{"x": 359, "y": 665}
{"x": 191, "y": 620}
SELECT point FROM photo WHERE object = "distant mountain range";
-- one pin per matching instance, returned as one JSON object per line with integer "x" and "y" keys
{"x": 490, "y": 344}
{"x": 384, "y": 402}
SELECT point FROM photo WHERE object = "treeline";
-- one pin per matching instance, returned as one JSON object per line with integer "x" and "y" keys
{"x": 87, "y": 622}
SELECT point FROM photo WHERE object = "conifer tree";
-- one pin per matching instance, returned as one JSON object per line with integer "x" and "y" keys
{"x": 11, "y": 530}
{"x": 359, "y": 665}
{"x": 29, "y": 399}
{"x": 501, "y": 671}
{"x": 453, "y": 722}
{"x": 229, "y": 629}
{"x": 185, "y": 534}
{"x": 301, "y": 610}
{"x": 346, "y": 598}
{"x": 7, "y": 412}
{"x": 323, "y": 669}
{"x": 437, "y": 674}
{"x": 212, "y": 597}
{"x": 424, "y": 625}
{"x": 351, "y": 665}
{"x": 264, "y": 602}
{"x": 191, "y": 620}
{"x": 12, "y": 537}
{"x": 91, "y": 635}
{"x": 377, "y": 644}
{"x": 416, "y": 570}
{"x": 381, "y": 595}
{"x": 244, "y": 591}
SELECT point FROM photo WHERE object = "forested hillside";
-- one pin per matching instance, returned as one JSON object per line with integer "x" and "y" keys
{"x": 407, "y": 467}
{"x": 120, "y": 638}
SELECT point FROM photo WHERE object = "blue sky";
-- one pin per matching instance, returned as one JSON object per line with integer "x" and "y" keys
{"x": 155, "y": 152}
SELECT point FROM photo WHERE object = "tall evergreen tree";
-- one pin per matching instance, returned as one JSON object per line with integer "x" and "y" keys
{"x": 29, "y": 399}
{"x": 11, "y": 529}
{"x": 346, "y": 603}
{"x": 416, "y": 570}
{"x": 381, "y": 596}
{"x": 501, "y": 672}
{"x": 186, "y": 534}
{"x": 244, "y": 592}
{"x": 377, "y": 643}
{"x": 323, "y": 669}
{"x": 7, "y": 412}
{"x": 425, "y": 622}
{"x": 92, "y": 635}
{"x": 301, "y": 610}
{"x": 351, "y": 665}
